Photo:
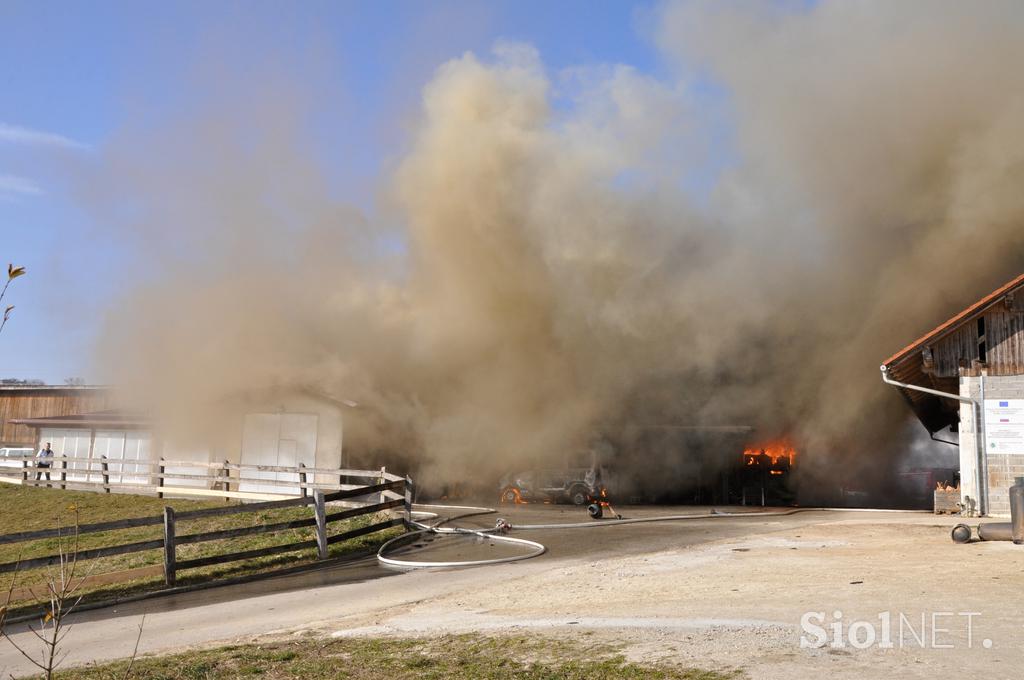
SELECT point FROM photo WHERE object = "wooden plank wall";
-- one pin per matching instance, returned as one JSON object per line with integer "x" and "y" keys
{"x": 41, "y": 404}
{"x": 1004, "y": 337}
{"x": 1005, "y": 333}
{"x": 958, "y": 348}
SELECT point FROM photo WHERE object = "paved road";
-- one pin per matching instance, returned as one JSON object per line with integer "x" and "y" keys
{"x": 347, "y": 594}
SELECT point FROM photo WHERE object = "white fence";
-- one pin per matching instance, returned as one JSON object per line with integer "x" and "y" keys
{"x": 181, "y": 478}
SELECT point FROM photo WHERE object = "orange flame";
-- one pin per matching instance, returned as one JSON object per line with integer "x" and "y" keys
{"x": 774, "y": 450}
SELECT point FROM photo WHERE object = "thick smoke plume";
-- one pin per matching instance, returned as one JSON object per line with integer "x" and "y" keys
{"x": 558, "y": 255}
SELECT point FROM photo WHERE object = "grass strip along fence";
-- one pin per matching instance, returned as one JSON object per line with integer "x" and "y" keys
{"x": 382, "y": 497}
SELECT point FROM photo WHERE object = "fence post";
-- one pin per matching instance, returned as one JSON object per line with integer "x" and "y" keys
{"x": 320, "y": 511}
{"x": 226, "y": 473}
{"x": 380, "y": 495}
{"x": 408, "y": 502}
{"x": 24, "y": 471}
{"x": 169, "y": 561}
{"x": 63, "y": 472}
{"x": 302, "y": 480}
{"x": 106, "y": 474}
{"x": 159, "y": 480}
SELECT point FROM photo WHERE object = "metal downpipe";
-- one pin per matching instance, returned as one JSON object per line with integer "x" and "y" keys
{"x": 979, "y": 410}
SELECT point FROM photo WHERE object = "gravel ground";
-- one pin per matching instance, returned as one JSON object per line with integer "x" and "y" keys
{"x": 723, "y": 593}
{"x": 738, "y": 601}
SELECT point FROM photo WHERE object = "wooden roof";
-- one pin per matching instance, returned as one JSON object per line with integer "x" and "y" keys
{"x": 100, "y": 420}
{"x": 53, "y": 388}
{"x": 966, "y": 316}
{"x": 906, "y": 365}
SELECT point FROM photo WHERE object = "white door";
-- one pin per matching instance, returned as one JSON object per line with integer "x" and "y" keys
{"x": 278, "y": 439}
{"x": 111, "y": 445}
{"x": 137, "y": 447}
{"x": 73, "y": 443}
{"x": 121, "y": 447}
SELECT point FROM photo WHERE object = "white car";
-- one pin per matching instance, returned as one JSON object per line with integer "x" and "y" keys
{"x": 17, "y": 452}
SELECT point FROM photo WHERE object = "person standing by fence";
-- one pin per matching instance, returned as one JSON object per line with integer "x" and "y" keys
{"x": 45, "y": 457}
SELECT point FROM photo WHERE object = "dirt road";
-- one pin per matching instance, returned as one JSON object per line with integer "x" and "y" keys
{"x": 723, "y": 593}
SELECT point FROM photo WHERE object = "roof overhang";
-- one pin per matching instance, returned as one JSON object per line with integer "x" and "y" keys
{"x": 907, "y": 365}
{"x": 55, "y": 388}
{"x": 966, "y": 316}
{"x": 103, "y": 420}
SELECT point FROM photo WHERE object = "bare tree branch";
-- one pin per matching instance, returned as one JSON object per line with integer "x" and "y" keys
{"x": 12, "y": 273}
{"x": 135, "y": 652}
{"x": 25, "y": 654}
{"x": 62, "y": 583}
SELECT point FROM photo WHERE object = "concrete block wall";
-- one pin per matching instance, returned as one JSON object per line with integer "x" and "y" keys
{"x": 1003, "y": 469}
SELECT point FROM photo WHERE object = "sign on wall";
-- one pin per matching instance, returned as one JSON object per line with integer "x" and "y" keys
{"x": 1004, "y": 426}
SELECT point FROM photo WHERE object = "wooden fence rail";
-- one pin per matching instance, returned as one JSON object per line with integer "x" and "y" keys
{"x": 402, "y": 489}
{"x": 83, "y": 529}
{"x": 370, "y": 474}
{"x": 184, "y": 478}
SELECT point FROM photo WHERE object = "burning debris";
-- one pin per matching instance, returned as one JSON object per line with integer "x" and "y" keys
{"x": 765, "y": 471}
{"x": 776, "y": 457}
{"x": 600, "y": 502}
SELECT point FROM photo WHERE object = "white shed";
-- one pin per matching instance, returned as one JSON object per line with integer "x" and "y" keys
{"x": 284, "y": 427}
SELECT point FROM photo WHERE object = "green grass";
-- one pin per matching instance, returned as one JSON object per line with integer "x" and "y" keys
{"x": 462, "y": 657}
{"x": 29, "y": 509}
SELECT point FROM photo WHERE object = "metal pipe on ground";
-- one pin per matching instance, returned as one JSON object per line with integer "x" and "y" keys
{"x": 995, "y": 531}
{"x": 961, "y": 533}
{"x": 999, "y": 531}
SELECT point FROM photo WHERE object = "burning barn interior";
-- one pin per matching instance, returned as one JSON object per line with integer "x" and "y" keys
{"x": 701, "y": 465}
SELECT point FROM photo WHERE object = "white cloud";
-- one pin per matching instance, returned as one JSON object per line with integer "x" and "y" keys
{"x": 15, "y": 134}
{"x": 11, "y": 186}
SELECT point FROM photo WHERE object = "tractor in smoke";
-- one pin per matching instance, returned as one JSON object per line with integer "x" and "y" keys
{"x": 576, "y": 486}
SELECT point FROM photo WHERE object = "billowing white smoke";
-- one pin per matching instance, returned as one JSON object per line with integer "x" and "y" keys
{"x": 554, "y": 276}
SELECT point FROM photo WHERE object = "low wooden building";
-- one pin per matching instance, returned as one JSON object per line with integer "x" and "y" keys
{"x": 285, "y": 427}
{"x": 967, "y": 375}
{"x": 18, "y": 402}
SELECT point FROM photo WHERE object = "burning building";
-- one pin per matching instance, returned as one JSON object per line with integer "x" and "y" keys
{"x": 765, "y": 473}
{"x": 968, "y": 375}
{"x": 704, "y": 465}
{"x": 725, "y": 464}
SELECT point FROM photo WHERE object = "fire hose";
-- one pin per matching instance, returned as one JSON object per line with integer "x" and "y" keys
{"x": 534, "y": 548}
{"x": 502, "y": 526}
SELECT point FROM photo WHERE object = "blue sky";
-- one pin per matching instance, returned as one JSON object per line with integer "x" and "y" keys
{"x": 72, "y": 74}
